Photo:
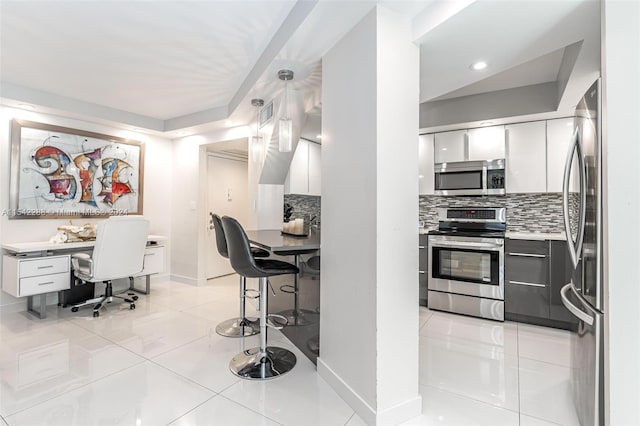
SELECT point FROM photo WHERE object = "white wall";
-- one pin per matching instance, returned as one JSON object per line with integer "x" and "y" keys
{"x": 621, "y": 68}
{"x": 157, "y": 180}
{"x": 369, "y": 218}
{"x": 189, "y": 209}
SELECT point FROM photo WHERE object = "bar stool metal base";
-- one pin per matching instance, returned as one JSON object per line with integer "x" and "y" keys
{"x": 237, "y": 327}
{"x": 250, "y": 364}
{"x": 300, "y": 317}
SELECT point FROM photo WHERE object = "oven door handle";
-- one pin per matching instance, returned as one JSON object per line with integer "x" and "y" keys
{"x": 466, "y": 244}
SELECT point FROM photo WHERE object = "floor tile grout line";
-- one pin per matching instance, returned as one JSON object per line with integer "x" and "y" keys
{"x": 479, "y": 346}
{"x": 184, "y": 377}
{"x": 544, "y": 362}
{"x": 78, "y": 387}
{"x": 349, "y": 419}
{"x": 249, "y": 408}
{"x": 472, "y": 399}
{"x": 192, "y": 409}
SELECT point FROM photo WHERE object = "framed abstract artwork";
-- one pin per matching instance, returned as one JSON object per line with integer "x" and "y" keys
{"x": 58, "y": 172}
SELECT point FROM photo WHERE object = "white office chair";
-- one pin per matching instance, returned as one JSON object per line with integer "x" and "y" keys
{"x": 118, "y": 253}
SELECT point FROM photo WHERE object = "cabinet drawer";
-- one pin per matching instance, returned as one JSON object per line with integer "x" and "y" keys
{"x": 526, "y": 300}
{"x": 530, "y": 270}
{"x": 153, "y": 261}
{"x": 44, "y": 284}
{"x": 527, "y": 247}
{"x": 44, "y": 266}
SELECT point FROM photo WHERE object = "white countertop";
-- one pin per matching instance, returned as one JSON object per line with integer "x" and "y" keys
{"x": 517, "y": 235}
{"x": 46, "y": 245}
{"x": 536, "y": 235}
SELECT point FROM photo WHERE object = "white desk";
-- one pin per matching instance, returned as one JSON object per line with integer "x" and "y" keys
{"x": 37, "y": 268}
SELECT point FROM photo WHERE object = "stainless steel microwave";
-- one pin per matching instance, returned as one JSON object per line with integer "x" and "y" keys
{"x": 471, "y": 178}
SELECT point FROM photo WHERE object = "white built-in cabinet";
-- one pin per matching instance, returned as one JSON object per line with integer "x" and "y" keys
{"x": 315, "y": 166}
{"x": 535, "y": 153}
{"x": 526, "y": 155}
{"x": 558, "y": 138}
{"x": 425, "y": 165}
{"x": 486, "y": 143}
{"x": 304, "y": 172}
{"x": 450, "y": 146}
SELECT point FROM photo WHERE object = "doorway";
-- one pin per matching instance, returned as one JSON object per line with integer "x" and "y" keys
{"x": 227, "y": 187}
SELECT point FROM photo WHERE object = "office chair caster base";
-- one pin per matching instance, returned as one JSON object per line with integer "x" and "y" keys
{"x": 132, "y": 307}
{"x": 299, "y": 317}
{"x": 251, "y": 365}
{"x": 96, "y": 314}
{"x": 74, "y": 309}
{"x": 235, "y": 327}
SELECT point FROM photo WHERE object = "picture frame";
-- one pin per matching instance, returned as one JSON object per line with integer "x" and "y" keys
{"x": 60, "y": 172}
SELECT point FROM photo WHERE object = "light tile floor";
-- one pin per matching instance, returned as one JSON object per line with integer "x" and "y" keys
{"x": 163, "y": 363}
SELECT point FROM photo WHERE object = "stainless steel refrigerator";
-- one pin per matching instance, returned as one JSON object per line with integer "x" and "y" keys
{"x": 583, "y": 296}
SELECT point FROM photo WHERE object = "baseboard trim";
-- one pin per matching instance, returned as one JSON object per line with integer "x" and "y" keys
{"x": 350, "y": 396}
{"x": 183, "y": 279}
{"x": 397, "y": 414}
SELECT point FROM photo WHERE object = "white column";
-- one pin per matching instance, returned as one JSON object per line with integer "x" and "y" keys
{"x": 369, "y": 293}
{"x": 621, "y": 146}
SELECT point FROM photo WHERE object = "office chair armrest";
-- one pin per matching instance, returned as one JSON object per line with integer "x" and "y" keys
{"x": 82, "y": 262}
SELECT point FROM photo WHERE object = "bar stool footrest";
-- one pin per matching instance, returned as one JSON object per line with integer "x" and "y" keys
{"x": 288, "y": 288}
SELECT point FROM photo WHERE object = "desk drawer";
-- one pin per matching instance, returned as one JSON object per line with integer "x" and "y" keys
{"x": 44, "y": 284}
{"x": 153, "y": 261}
{"x": 44, "y": 266}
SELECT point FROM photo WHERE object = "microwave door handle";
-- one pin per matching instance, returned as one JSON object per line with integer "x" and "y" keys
{"x": 484, "y": 180}
{"x": 583, "y": 195}
{"x": 565, "y": 198}
{"x": 577, "y": 312}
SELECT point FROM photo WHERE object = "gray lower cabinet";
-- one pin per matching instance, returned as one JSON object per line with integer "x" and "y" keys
{"x": 423, "y": 263}
{"x": 534, "y": 274}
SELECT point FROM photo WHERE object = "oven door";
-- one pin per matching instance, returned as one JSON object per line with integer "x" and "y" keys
{"x": 472, "y": 266}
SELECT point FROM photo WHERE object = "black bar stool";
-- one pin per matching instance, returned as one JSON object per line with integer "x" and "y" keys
{"x": 295, "y": 316}
{"x": 241, "y": 326}
{"x": 264, "y": 362}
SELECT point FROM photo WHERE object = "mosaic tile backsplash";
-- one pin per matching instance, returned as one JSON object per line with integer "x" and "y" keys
{"x": 304, "y": 206}
{"x": 535, "y": 212}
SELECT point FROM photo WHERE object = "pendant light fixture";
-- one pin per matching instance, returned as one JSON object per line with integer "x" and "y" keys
{"x": 256, "y": 142}
{"x": 285, "y": 125}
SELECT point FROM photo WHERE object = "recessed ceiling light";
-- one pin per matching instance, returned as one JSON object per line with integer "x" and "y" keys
{"x": 486, "y": 123}
{"x": 444, "y": 149}
{"x": 420, "y": 176}
{"x": 478, "y": 66}
{"x": 26, "y": 106}
{"x": 319, "y": 136}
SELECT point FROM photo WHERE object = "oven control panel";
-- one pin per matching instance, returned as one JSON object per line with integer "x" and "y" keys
{"x": 471, "y": 214}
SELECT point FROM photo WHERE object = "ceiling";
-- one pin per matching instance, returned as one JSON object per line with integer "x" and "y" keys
{"x": 185, "y": 67}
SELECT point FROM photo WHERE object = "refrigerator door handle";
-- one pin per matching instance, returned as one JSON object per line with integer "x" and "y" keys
{"x": 565, "y": 198}
{"x": 580, "y": 314}
{"x": 583, "y": 194}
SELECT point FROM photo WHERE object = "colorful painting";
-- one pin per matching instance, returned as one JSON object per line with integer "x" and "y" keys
{"x": 62, "y": 172}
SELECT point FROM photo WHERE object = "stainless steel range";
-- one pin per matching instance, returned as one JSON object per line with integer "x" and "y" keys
{"x": 466, "y": 262}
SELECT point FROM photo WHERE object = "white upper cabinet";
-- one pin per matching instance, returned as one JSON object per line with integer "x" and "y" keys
{"x": 526, "y": 157}
{"x": 486, "y": 143}
{"x": 304, "y": 171}
{"x": 315, "y": 166}
{"x": 558, "y": 138}
{"x": 297, "y": 181}
{"x": 450, "y": 146}
{"x": 425, "y": 165}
